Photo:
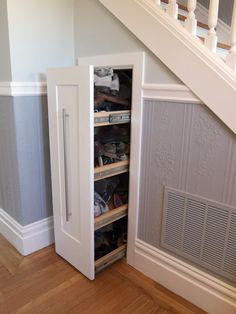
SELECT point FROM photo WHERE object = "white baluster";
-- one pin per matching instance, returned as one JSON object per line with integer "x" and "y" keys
{"x": 158, "y": 2}
{"x": 191, "y": 22}
{"x": 211, "y": 39}
{"x": 172, "y": 8}
{"x": 231, "y": 58}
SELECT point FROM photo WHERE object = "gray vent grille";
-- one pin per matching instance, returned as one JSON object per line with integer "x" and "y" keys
{"x": 174, "y": 222}
{"x": 200, "y": 230}
{"x": 230, "y": 255}
{"x": 193, "y": 228}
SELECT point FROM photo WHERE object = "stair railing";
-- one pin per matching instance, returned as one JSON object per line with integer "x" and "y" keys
{"x": 211, "y": 39}
{"x": 191, "y": 25}
{"x": 191, "y": 22}
{"x": 231, "y": 58}
{"x": 172, "y": 9}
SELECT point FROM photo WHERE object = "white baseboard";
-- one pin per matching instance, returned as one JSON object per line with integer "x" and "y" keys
{"x": 201, "y": 289}
{"x": 27, "y": 239}
{"x": 23, "y": 88}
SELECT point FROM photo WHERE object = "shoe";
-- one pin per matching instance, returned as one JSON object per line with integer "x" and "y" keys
{"x": 100, "y": 207}
{"x": 106, "y": 187}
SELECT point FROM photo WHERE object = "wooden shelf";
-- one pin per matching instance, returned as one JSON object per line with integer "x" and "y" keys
{"x": 110, "y": 258}
{"x": 104, "y": 118}
{"x": 111, "y": 216}
{"x": 111, "y": 170}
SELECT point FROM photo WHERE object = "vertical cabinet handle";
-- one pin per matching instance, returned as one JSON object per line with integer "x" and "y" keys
{"x": 65, "y": 118}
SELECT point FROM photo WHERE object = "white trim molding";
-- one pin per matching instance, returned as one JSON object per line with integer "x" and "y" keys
{"x": 27, "y": 239}
{"x": 201, "y": 289}
{"x": 169, "y": 92}
{"x": 23, "y": 88}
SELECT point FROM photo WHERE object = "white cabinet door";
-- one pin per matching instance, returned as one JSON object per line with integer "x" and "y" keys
{"x": 70, "y": 102}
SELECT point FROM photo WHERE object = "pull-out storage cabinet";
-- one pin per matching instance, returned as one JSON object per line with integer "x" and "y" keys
{"x": 76, "y": 172}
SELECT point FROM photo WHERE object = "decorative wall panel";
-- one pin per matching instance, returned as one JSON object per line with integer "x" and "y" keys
{"x": 187, "y": 148}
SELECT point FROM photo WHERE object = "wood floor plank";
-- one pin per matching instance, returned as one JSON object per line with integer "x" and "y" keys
{"x": 36, "y": 284}
{"x": 9, "y": 257}
{"x": 156, "y": 291}
{"x": 75, "y": 294}
{"x": 45, "y": 283}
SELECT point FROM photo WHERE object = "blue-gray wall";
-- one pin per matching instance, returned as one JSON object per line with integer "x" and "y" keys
{"x": 5, "y": 58}
{"x": 92, "y": 20}
{"x": 185, "y": 147}
{"x": 25, "y": 182}
{"x": 10, "y": 199}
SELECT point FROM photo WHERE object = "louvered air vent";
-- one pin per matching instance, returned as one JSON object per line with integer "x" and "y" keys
{"x": 200, "y": 230}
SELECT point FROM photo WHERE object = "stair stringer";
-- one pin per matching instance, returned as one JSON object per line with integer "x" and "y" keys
{"x": 201, "y": 70}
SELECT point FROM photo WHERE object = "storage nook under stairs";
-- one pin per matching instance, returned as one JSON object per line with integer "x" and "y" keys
{"x": 90, "y": 110}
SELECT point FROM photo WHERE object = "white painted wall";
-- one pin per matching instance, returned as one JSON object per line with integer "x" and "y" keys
{"x": 41, "y": 36}
{"x": 97, "y": 32}
{"x": 5, "y": 64}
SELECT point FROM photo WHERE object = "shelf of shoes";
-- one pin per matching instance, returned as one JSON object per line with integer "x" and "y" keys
{"x": 112, "y": 215}
{"x": 111, "y": 170}
{"x": 104, "y": 118}
{"x": 110, "y": 258}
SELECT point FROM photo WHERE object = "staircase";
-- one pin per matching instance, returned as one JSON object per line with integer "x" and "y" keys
{"x": 188, "y": 47}
{"x": 199, "y": 29}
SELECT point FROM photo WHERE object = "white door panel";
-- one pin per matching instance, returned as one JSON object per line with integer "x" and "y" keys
{"x": 70, "y": 94}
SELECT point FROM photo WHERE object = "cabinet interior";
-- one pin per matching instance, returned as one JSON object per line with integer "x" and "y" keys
{"x": 112, "y": 121}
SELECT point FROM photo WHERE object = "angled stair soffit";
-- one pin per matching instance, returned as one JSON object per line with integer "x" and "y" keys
{"x": 203, "y": 72}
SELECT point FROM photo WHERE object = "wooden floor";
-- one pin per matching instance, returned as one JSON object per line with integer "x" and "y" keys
{"x": 44, "y": 283}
